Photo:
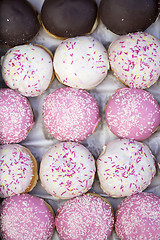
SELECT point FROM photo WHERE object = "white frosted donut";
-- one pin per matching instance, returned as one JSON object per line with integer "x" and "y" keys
{"x": 67, "y": 170}
{"x": 28, "y": 69}
{"x": 125, "y": 167}
{"x": 135, "y": 59}
{"x": 81, "y": 62}
{"x": 18, "y": 170}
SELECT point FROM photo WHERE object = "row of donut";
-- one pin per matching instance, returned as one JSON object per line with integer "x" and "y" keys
{"x": 67, "y": 18}
{"x": 67, "y": 169}
{"x": 71, "y": 114}
{"x": 83, "y": 62}
{"x": 85, "y": 217}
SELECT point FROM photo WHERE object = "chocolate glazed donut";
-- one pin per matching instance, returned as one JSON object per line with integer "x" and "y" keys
{"x": 126, "y": 16}
{"x": 69, "y": 18}
{"x": 18, "y": 22}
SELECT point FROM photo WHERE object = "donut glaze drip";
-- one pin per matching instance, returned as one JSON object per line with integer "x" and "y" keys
{"x": 26, "y": 217}
{"x": 137, "y": 217}
{"x": 123, "y": 16}
{"x": 69, "y": 18}
{"x": 19, "y": 22}
{"x": 16, "y": 118}
{"x": 85, "y": 217}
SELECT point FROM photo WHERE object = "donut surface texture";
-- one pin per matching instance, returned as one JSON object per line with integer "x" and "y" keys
{"x": 26, "y": 217}
{"x": 67, "y": 170}
{"x": 16, "y": 118}
{"x": 69, "y": 18}
{"x": 18, "y": 170}
{"x": 123, "y": 16}
{"x": 70, "y": 114}
{"x": 28, "y": 69}
{"x": 132, "y": 113}
{"x": 19, "y": 22}
{"x": 81, "y": 62}
{"x": 125, "y": 167}
{"x": 138, "y": 217}
{"x": 135, "y": 59}
{"x": 85, "y": 217}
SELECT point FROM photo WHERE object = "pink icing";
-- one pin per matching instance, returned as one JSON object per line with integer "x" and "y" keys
{"x": 135, "y": 59}
{"x": 26, "y": 217}
{"x": 67, "y": 170}
{"x": 70, "y": 114}
{"x": 16, "y": 118}
{"x": 138, "y": 217}
{"x": 85, "y": 217}
{"x": 132, "y": 113}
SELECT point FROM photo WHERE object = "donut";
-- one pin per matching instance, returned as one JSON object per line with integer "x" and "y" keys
{"x": 19, "y": 22}
{"x": 67, "y": 170}
{"x": 81, "y": 62}
{"x": 16, "y": 118}
{"x": 132, "y": 113}
{"x": 68, "y": 18}
{"x": 135, "y": 59}
{"x": 125, "y": 167}
{"x": 18, "y": 170}
{"x": 28, "y": 69}
{"x": 122, "y": 16}
{"x": 26, "y": 217}
{"x": 138, "y": 217}
{"x": 85, "y": 217}
{"x": 70, "y": 114}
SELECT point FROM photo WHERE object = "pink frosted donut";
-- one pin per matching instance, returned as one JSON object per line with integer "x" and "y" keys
{"x": 132, "y": 113}
{"x": 26, "y": 217}
{"x": 125, "y": 167}
{"x": 16, "y": 118}
{"x": 28, "y": 69}
{"x": 18, "y": 170}
{"x": 135, "y": 59}
{"x": 70, "y": 114}
{"x": 85, "y": 217}
{"x": 138, "y": 217}
{"x": 81, "y": 62}
{"x": 67, "y": 170}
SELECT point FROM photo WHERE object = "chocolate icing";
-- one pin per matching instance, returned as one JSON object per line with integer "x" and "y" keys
{"x": 126, "y": 16}
{"x": 18, "y": 22}
{"x": 69, "y": 18}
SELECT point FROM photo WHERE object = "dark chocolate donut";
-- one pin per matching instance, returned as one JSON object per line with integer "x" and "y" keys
{"x": 18, "y": 22}
{"x": 127, "y": 16}
{"x": 69, "y": 18}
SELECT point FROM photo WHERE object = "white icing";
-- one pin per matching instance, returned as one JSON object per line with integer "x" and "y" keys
{"x": 16, "y": 169}
{"x": 81, "y": 62}
{"x": 67, "y": 170}
{"x": 125, "y": 167}
{"x": 28, "y": 69}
